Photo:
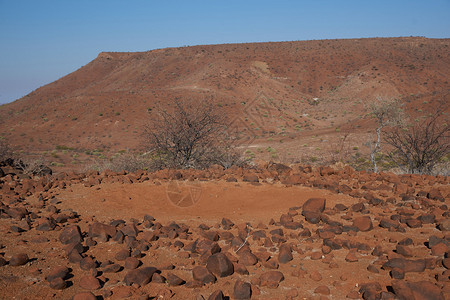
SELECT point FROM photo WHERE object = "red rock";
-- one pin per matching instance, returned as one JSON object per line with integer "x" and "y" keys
{"x": 316, "y": 276}
{"x": 240, "y": 269}
{"x": 140, "y": 276}
{"x": 70, "y": 235}
{"x": 413, "y": 223}
{"x": 58, "y": 284}
{"x": 113, "y": 268}
{"x": 353, "y": 295}
{"x": 250, "y": 178}
{"x": 219, "y": 265}
{"x": 89, "y": 283}
{"x": 87, "y": 263}
{"x": 58, "y": 272}
{"x": 84, "y": 296}
{"x": 351, "y": 256}
{"x": 18, "y": 259}
{"x": 271, "y": 279}
{"x": 131, "y": 263}
{"x": 363, "y": 223}
{"x": 397, "y": 273}
{"x": 247, "y": 258}
{"x": 322, "y": 289}
{"x": 122, "y": 254}
{"x": 217, "y": 295}
{"x": 102, "y": 230}
{"x": 439, "y": 249}
{"x": 202, "y": 275}
{"x": 285, "y": 254}
{"x": 314, "y": 205}
{"x": 174, "y": 280}
{"x": 242, "y": 290}
{"x": 129, "y": 230}
{"x": 446, "y": 262}
{"x": 404, "y": 250}
{"x": 407, "y": 265}
{"x": 422, "y": 290}
{"x": 3, "y": 261}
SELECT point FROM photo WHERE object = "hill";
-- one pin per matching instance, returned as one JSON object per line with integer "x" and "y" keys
{"x": 281, "y": 94}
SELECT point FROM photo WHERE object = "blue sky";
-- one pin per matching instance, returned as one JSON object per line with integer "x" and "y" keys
{"x": 41, "y": 41}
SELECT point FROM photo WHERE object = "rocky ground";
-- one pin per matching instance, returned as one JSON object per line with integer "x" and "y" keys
{"x": 275, "y": 232}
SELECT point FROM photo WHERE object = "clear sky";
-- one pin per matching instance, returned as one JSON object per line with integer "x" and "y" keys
{"x": 43, "y": 40}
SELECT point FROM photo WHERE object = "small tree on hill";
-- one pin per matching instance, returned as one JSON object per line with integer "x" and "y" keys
{"x": 190, "y": 135}
{"x": 386, "y": 112}
{"x": 420, "y": 146}
{"x": 5, "y": 150}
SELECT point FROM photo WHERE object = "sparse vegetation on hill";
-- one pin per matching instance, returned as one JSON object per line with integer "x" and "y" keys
{"x": 191, "y": 134}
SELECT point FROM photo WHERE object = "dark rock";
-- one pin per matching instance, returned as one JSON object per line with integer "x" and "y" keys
{"x": 113, "y": 268}
{"x": 314, "y": 205}
{"x": 102, "y": 231}
{"x": 242, "y": 290}
{"x": 140, "y": 276}
{"x": 131, "y": 263}
{"x": 84, "y": 296}
{"x": 219, "y": 265}
{"x": 174, "y": 280}
{"x": 70, "y": 235}
{"x": 122, "y": 254}
{"x": 247, "y": 258}
{"x": 58, "y": 272}
{"x": 18, "y": 259}
{"x": 285, "y": 254}
{"x": 406, "y": 265}
{"x": 202, "y": 275}
{"x": 227, "y": 224}
{"x": 90, "y": 283}
{"x": 363, "y": 223}
{"x": 58, "y": 284}
{"x": 271, "y": 279}
{"x": 422, "y": 290}
{"x": 87, "y": 263}
{"x": 217, "y": 295}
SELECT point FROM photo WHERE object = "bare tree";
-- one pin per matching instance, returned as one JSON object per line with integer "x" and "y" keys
{"x": 387, "y": 112}
{"x": 419, "y": 147}
{"x": 190, "y": 135}
{"x": 5, "y": 150}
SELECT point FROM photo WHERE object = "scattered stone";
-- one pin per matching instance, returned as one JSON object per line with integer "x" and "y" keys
{"x": 219, "y": 265}
{"x": 202, "y": 275}
{"x": 363, "y": 223}
{"x": 322, "y": 289}
{"x": 131, "y": 263}
{"x": 407, "y": 265}
{"x": 417, "y": 290}
{"x": 84, "y": 296}
{"x": 314, "y": 205}
{"x": 71, "y": 235}
{"x": 139, "y": 276}
{"x": 58, "y": 272}
{"x": 315, "y": 275}
{"x": 87, "y": 263}
{"x": 285, "y": 254}
{"x": 18, "y": 259}
{"x": 217, "y": 295}
{"x": 174, "y": 280}
{"x": 242, "y": 290}
{"x": 271, "y": 279}
{"x": 58, "y": 284}
{"x": 90, "y": 283}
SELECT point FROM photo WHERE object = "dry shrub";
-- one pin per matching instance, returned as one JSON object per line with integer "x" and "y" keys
{"x": 192, "y": 134}
{"x": 129, "y": 162}
{"x": 5, "y": 150}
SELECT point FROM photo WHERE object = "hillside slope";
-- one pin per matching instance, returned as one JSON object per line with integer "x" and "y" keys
{"x": 275, "y": 90}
